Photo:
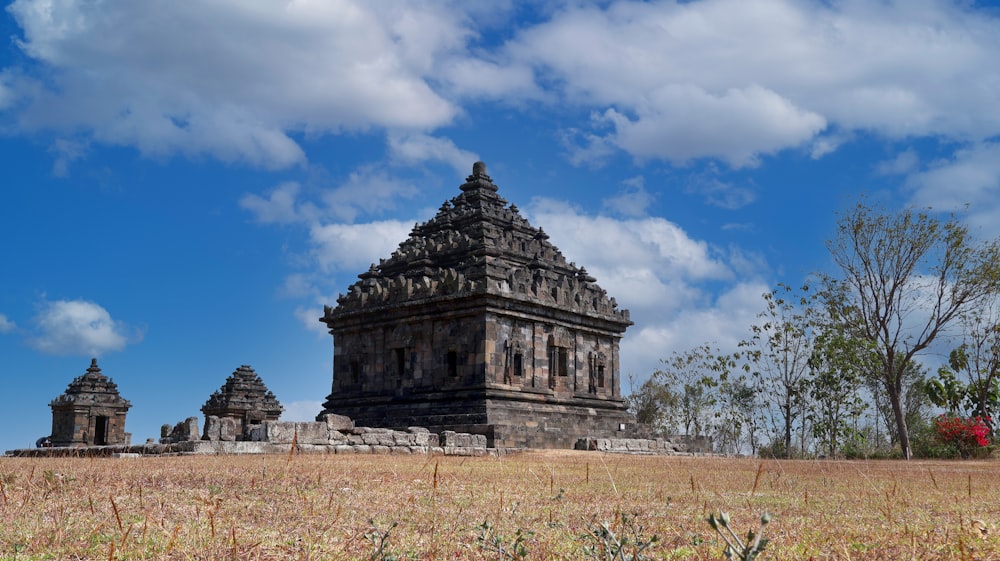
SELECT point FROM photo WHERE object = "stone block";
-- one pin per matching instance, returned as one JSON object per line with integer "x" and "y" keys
{"x": 336, "y": 437}
{"x": 338, "y": 422}
{"x": 279, "y": 432}
{"x": 447, "y": 438}
{"x": 191, "y": 431}
{"x": 228, "y": 429}
{"x": 312, "y": 433}
{"x": 344, "y": 449}
{"x": 258, "y": 433}
{"x": 212, "y": 427}
{"x": 363, "y": 449}
{"x": 381, "y": 449}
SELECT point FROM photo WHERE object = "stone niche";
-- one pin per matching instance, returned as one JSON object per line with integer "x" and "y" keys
{"x": 240, "y": 405}
{"x": 90, "y": 412}
{"x": 478, "y": 324}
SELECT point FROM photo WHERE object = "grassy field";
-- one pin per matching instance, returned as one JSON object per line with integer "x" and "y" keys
{"x": 537, "y": 505}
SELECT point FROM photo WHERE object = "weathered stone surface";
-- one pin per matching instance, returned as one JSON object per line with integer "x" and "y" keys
{"x": 191, "y": 429}
{"x": 228, "y": 429}
{"x": 245, "y": 398}
{"x": 212, "y": 428}
{"x": 478, "y": 324}
{"x": 90, "y": 412}
{"x": 337, "y": 422}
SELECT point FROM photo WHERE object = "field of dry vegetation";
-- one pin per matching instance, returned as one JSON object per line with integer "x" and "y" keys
{"x": 537, "y": 505}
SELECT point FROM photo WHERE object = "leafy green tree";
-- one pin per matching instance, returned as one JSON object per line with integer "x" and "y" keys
{"x": 652, "y": 405}
{"x": 978, "y": 358}
{"x": 740, "y": 415}
{"x": 693, "y": 376}
{"x": 838, "y": 367}
{"x": 907, "y": 275}
{"x": 778, "y": 354}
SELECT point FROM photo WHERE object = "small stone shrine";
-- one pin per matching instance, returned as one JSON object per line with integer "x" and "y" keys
{"x": 477, "y": 324}
{"x": 240, "y": 405}
{"x": 90, "y": 413}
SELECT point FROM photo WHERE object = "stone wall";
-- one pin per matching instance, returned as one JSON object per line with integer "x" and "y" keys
{"x": 672, "y": 446}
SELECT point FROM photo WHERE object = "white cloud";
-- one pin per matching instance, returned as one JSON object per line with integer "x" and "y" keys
{"x": 278, "y": 208}
{"x": 301, "y": 410}
{"x": 233, "y": 79}
{"x": 417, "y": 148}
{"x": 663, "y": 277}
{"x": 370, "y": 190}
{"x": 736, "y": 80}
{"x": 677, "y": 81}
{"x": 353, "y": 247}
{"x": 684, "y": 122}
{"x": 67, "y": 327}
{"x": 310, "y": 319}
{"x": 6, "y": 325}
{"x": 66, "y": 152}
{"x": 905, "y": 162}
{"x": 717, "y": 192}
{"x": 968, "y": 182}
{"x": 632, "y": 199}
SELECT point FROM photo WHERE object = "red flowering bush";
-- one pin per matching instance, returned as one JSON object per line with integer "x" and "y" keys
{"x": 964, "y": 434}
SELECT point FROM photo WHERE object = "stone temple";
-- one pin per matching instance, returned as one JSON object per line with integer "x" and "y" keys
{"x": 90, "y": 412}
{"x": 244, "y": 401}
{"x": 478, "y": 324}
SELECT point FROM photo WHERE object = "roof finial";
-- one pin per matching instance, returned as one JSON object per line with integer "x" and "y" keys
{"x": 479, "y": 179}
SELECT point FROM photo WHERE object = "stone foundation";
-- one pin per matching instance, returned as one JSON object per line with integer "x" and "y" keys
{"x": 672, "y": 446}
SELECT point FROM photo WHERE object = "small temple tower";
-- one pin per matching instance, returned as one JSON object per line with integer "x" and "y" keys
{"x": 244, "y": 398}
{"x": 476, "y": 323}
{"x": 90, "y": 413}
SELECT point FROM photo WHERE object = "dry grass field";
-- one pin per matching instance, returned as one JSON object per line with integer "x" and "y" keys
{"x": 537, "y": 505}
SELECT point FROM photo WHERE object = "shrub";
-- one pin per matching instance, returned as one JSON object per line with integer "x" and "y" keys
{"x": 966, "y": 435}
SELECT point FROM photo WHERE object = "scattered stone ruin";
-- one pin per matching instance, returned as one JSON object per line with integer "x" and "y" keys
{"x": 90, "y": 412}
{"x": 478, "y": 324}
{"x": 239, "y": 406}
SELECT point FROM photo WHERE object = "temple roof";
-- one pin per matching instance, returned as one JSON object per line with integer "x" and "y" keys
{"x": 243, "y": 391}
{"x": 477, "y": 244}
{"x": 91, "y": 389}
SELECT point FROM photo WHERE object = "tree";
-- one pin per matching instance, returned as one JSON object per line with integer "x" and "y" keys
{"x": 692, "y": 377}
{"x": 652, "y": 405}
{"x": 907, "y": 276}
{"x": 779, "y": 353}
{"x": 740, "y": 407}
{"x": 838, "y": 366}
{"x": 979, "y": 359}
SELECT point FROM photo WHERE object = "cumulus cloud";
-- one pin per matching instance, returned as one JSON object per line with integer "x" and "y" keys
{"x": 738, "y": 80}
{"x": 665, "y": 278}
{"x": 279, "y": 207}
{"x": 631, "y": 200}
{"x": 419, "y": 148}
{"x": 673, "y": 81}
{"x": 969, "y": 182}
{"x": 79, "y": 327}
{"x": 6, "y": 325}
{"x": 232, "y": 79}
{"x": 353, "y": 247}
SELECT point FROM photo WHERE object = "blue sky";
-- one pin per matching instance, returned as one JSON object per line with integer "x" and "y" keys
{"x": 186, "y": 184}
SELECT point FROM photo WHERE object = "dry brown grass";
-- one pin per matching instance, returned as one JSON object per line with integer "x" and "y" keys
{"x": 320, "y": 507}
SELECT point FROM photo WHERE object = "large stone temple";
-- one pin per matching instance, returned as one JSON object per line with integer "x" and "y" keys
{"x": 478, "y": 324}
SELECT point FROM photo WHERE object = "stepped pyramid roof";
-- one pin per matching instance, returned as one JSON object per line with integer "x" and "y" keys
{"x": 478, "y": 245}
{"x": 91, "y": 389}
{"x": 243, "y": 391}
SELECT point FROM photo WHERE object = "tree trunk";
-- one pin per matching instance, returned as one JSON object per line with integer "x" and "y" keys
{"x": 900, "y": 416}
